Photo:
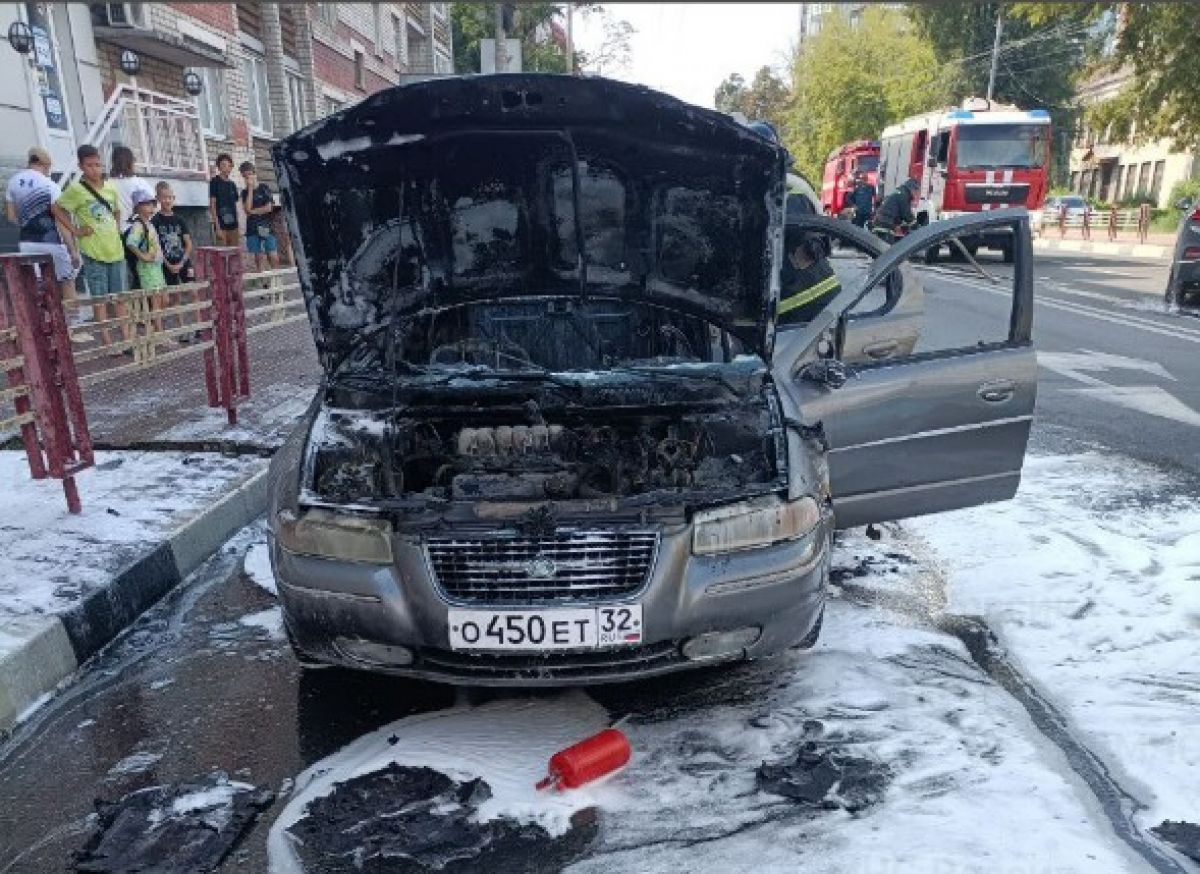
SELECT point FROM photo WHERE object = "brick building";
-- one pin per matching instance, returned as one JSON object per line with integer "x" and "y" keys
{"x": 264, "y": 70}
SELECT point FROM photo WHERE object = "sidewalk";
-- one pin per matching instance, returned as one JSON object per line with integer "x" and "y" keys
{"x": 160, "y": 500}
{"x": 1156, "y": 247}
{"x": 166, "y": 404}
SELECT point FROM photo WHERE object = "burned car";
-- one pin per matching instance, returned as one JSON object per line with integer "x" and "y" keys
{"x": 558, "y": 439}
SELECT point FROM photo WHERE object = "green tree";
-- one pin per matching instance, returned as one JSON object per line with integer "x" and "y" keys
{"x": 849, "y": 83}
{"x": 472, "y": 22}
{"x": 728, "y": 96}
{"x": 1035, "y": 64}
{"x": 1157, "y": 43}
{"x": 766, "y": 98}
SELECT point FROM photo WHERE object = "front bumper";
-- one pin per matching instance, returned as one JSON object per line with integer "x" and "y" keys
{"x": 332, "y": 607}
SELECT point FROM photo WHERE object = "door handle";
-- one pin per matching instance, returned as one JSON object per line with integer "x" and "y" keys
{"x": 880, "y": 350}
{"x": 997, "y": 392}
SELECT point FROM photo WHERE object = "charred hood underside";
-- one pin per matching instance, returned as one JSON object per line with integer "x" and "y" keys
{"x": 443, "y": 194}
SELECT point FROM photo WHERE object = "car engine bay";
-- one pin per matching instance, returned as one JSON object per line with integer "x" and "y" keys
{"x": 529, "y": 455}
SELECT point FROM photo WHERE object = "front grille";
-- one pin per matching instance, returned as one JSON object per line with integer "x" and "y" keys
{"x": 566, "y": 566}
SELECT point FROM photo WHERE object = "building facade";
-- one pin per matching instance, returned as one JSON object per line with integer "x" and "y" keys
{"x": 260, "y": 70}
{"x": 1115, "y": 171}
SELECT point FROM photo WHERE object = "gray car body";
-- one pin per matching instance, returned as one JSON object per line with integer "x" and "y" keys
{"x": 904, "y": 435}
{"x": 1183, "y": 286}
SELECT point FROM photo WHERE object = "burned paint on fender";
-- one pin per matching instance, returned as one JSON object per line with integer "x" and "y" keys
{"x": 449, "y": 194}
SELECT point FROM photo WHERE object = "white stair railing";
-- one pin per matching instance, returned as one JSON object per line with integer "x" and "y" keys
{"x": 164, "y": 132}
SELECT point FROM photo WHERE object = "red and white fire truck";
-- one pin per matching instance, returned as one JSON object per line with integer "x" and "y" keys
{"x": 980, "y": 156}
{"x": 860, "y": 156}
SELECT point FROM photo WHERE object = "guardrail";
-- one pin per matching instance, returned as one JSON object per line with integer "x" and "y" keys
{"x": 1113, "y": 221}
{"x": 47, "y": 356}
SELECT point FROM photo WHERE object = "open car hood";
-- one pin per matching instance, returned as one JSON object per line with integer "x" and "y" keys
{"x": 452, "y": 191}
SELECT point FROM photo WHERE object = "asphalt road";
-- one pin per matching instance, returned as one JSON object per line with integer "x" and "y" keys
{"x": 192, "y": 688}
{"x": 1117, "y": 371}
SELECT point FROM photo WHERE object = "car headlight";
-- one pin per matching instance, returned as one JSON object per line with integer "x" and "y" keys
{"x": 325, "y": 534}
{"x": 752, "y": 524}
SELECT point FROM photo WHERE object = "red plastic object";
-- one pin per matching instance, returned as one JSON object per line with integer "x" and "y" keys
{"x": 588, "y": 760}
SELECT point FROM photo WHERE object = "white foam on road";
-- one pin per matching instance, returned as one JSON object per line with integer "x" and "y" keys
{"x": 258, "y": 567}
{"x": 1091, "y": 578}
{"x": 974, "y": 788}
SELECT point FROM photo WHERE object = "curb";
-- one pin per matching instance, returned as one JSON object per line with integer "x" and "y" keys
{"x": 1127, "y": 250}
{"x": 53, "y": 647}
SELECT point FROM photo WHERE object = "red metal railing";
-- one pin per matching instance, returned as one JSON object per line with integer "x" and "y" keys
{"x": 44, "y": 360}
{"x": 40, "y": 370}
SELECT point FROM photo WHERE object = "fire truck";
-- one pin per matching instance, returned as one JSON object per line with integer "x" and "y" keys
{"x": 980, "y": 156}
{"x": 840, "y": 167}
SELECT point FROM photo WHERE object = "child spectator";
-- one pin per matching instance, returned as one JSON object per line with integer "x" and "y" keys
{"x": 174, "y": 236}
{"x": 258, "y": 205}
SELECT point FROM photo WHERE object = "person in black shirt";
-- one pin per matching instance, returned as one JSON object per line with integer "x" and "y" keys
{"x": 258, "y": 205}
{"x": 222, "y": 203}
{"x": 175, "y": 237}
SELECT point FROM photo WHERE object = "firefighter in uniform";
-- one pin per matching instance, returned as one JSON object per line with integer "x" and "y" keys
{"x": 895, "y": 211}
{"x": 807, "y": 281}
{"x": 862, "y": 198}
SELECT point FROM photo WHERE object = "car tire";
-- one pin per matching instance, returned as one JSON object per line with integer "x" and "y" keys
{"x": 1171, "y": 298}
{"x": 810, "y": 639}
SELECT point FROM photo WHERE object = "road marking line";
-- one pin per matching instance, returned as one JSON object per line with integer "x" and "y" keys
{"x": 1130, "y": 320}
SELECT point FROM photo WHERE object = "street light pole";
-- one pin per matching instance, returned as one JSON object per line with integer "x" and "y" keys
{"x": 995, "y": 52}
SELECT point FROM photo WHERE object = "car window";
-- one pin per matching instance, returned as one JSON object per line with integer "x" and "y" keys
{"x": 967, "y": 306}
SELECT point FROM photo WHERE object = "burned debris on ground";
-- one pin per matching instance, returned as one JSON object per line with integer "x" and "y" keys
{"x": 184, "y": 828}
{"x": 824, "y": 776}
{"x": 412, "y": 819}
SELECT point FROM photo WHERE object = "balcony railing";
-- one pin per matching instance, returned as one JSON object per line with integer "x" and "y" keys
{"x": 164, "y": 133}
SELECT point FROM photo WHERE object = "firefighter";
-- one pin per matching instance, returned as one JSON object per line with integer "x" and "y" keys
{"x": 862, "y": 198}
{"x": 896, "y": 212}
{"x": 807, "y": 281}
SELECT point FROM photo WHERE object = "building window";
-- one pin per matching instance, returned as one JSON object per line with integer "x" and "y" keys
{"x": 295, "y": 86}
{"x": 210, "y": 102}
{"x": 1160, "y": 167}
{"x": 360, "y": 72}
{"x": 418, "y": 49}
{"x": 332, "y": 105}
{"x": 380, "y": 21}
{"x": 439, "y": 11}
{"x": 328, "y": 13}
{"x": 442, "y": 64}
{"x": 400, "y": 34}
{"x": 1144, "y": 180}
{"x": 1119, "y": 177}
{"x": 1130, "y": 180}
{"x": 258, "y": 94}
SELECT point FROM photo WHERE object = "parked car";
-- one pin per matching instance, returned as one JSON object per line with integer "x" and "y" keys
{"x": 560, "y": 439}
{"x": 1183, "y": 285}
{"x": 1075, "y": 206}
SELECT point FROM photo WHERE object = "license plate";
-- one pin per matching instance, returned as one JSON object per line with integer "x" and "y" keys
{"x": 545, "y": 630}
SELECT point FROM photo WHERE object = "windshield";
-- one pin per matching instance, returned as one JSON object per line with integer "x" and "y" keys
{"x": 1001, "y": 145}
{"x": 867, "y": 162}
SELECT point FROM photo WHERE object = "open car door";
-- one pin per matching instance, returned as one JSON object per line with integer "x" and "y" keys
{"x": 941, "y": 425}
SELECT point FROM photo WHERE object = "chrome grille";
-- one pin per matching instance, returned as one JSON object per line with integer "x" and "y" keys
{"x": 566, "y": 566}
